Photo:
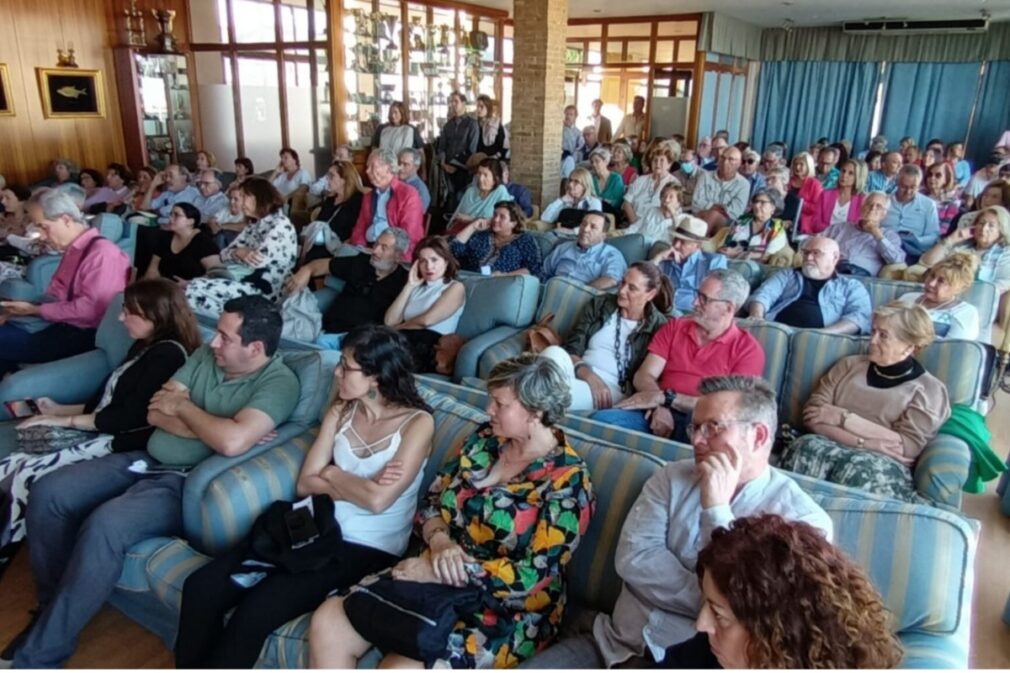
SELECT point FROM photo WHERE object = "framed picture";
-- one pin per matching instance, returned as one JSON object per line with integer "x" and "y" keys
{"x": 6, "y": 97}
{"x": 71, "y": 93}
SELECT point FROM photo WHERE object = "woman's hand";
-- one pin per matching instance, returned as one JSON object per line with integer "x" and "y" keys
{"x": 481, "y": 224}
{"x": 181, "y": 282}
{"x": 417, "y": 569}
{"x": 414, "y": 277}
{"x": 248, "y": 256}
{"x": 825, "y": 414}
{"x": 49, "y": 407}
{"x": 602, "y": 398}
{"x": 213, "y": 226}
{"x": 962, "y": 235}
{"x": 448, "y": 560}
{"x": 45, "y": 419}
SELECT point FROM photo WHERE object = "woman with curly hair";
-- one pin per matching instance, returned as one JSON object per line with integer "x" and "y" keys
{"x": 779, "y": 595}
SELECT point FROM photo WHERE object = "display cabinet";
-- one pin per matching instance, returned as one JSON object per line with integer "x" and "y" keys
{"x": 159, "y": 116}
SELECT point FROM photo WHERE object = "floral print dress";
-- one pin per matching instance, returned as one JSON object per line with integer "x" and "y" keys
{"x": 522, "y": 534}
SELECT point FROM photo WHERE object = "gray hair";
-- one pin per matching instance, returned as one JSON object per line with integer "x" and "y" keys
{"x": 214, "y": 172}
{"x": 71, "y": 167}
{"x": 756, "y": 400}
{"x": 751, "y": 154}
{"x": 74, "y": 191}
{"x": 384, "y": 155}
{"x": 401, "y": 241}
{"x": 774, "y": 150}
{"x": 772, "y": 194}
{"x": 911, "y": 169}
{"x": 781, "y": 172}
{"x": 57, "y": 202}
{"x": 624, "y": 148}
{"x": 538, "y": 382}
{"x": 603, "y": 153}
{"x": 413, "y": 153}
{"x": 735, "y": 288}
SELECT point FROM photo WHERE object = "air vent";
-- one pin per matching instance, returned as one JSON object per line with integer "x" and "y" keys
{"x": 906, "y": 27}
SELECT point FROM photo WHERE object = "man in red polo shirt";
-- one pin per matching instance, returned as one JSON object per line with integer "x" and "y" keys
{"x": 682, "y": 353}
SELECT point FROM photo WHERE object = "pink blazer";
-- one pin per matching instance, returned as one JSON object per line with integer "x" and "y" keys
{"x": 811, "y": 195}
{"x": 829, "y": 199}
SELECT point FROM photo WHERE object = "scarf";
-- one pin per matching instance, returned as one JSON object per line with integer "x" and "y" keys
{"x": 894, "y": 375}
{"x": 489, "y": 130}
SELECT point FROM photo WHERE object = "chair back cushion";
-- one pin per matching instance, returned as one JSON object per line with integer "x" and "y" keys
{"x": 496, "y": 301}
{"x": 564, "y": 298}
{"x": 109, "y": 225}
{"x": 774, "y": 339}
{"x": 632, "y": 246}
{"x": 314, "y": 369}
{"x": 112, "y": 337}
{"x": 749, "y": 269}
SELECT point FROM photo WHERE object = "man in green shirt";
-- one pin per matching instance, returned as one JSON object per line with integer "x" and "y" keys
{"x": 84, "y": 518}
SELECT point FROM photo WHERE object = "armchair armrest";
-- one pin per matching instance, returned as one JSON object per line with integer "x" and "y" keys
{"x": 469, "y": 355}
{"x": 51, "y": 379}
{"x": 503, "y": 350}
{"x": 933, "y": 651}
{"x": 223, "y": 496}
{"x": 942, "y": 470}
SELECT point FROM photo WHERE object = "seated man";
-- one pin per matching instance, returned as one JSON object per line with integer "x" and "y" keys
{"x": 913, "y": 215}
{"x": 391, "y": 203}
{"x": 722, "y": 187}
{"x": 91, "y": 272}
{"x": 175, "y": 180}
{"x": 519, "y": 193}
{"x": 735, "y": 421}
{"x": 682, "y": 353}
{"x": 589, "y": 259}
{"x": 685, "y": 264}
{"x": 866, "y": 246}
{"x": 410, "y": 163}
{"x": 886, "y": 179}
{"x": 84, "y": 518}
{"x": 371, "y": 284}
{"x": 589, "y": 143}
{"x": 320, "y": 186}
{"x": 814, "y": 296}
{"x": 211, "y": 199}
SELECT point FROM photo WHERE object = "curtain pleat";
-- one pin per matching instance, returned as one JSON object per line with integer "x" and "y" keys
{"x": 992, "y": 116}
{"x": 929, "y": 100}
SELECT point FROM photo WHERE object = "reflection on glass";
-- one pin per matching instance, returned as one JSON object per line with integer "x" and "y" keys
{"x": 685, "y": 51}
{"x": 664, "y": 52}
{"x": 638, "y": 52}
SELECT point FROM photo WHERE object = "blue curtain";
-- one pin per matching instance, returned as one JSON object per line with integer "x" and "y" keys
{"x": 800, "y": 101}
{"x": 928, "y": 100}
{"x": 992, "y": 115}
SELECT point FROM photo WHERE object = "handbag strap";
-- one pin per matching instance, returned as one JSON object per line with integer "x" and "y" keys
{"x": 80, "y": 262}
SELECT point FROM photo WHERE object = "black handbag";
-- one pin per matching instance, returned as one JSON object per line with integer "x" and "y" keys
{"x": 271, "y": 537}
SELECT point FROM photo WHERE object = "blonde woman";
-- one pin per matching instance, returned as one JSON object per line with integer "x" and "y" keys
{"x": 579, "y": 196}
{"x": 945, "y": 282}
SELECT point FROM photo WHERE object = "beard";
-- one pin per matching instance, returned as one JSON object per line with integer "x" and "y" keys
{"x": 382, "y": 266}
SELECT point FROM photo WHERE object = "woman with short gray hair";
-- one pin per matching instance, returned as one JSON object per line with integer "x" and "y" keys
{"x": 759, "y": 235}
{"x": 503, "y": 517}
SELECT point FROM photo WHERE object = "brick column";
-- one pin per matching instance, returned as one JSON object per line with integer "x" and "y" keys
{"x": 538, "y": 95}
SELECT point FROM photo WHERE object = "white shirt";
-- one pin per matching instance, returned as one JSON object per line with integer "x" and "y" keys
{"x": 643, "y": 193}
{"x": 841, "y": 212}
{"x": 655, "y": 226}
{"x": 955, "y": 320}
{"x": 600, "y": 353}
{"x": 423, "y": 297}
{"x": 287, "y": 186}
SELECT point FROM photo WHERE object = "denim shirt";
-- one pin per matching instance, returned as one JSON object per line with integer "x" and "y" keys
{"x": 917, "y": 222}
{"x": 585, "y": 266}
{"x": 841, "y": 298}
{"x": 380, "y": 221}
{"x": 687, "y": 276}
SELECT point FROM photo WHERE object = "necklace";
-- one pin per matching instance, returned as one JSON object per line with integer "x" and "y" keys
{"x": 892, "y": 377}
{"x": 623, "y": 359}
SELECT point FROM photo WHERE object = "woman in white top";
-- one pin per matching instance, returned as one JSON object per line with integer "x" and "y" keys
{"x": 580, "y": 195}
{"x": 226, "y": 224}
{"x": 369, "y": 458}
{"x": 945, "y": 282}
{"x": 644, "y": 192}
{"x": 430, "y": 304}
{"x": 397, "y": 133}
{"x": 659, "y": 223}
{"x": 289, "y": 176}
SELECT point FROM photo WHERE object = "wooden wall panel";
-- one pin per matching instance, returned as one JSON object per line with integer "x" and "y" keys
{"x": 29, "y": 33}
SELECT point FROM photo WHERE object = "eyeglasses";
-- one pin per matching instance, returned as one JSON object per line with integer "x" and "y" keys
{"x": 758, "y": 202}
{"x": 704, "y": 300}
{"x": 750, "y": 161}
{"x": 710, "y": 429}
{"x": 343, "y": 365}
{"x": 205, "y": 184}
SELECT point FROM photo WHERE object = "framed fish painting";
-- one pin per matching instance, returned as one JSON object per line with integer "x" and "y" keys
{"x": 71, "y": 93}
{"x": 6, "y": 100}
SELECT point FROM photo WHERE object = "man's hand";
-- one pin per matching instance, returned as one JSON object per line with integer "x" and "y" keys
{"x": 873, "y": 229}
{"x": 169, "y": 399}
{"x": 661, "y": 422}
{"x": 720, "y": 475}
{"x": 20, "y": 307}
{"x": 649, "y": 399}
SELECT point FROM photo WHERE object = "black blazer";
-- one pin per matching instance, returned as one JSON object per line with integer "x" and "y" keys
{"x": 125, "y": 417}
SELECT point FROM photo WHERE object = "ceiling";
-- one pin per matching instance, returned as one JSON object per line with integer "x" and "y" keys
{"x": 772, "y": 13}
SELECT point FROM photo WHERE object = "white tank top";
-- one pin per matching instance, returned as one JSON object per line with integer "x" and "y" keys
{"x": 388, "y": 531}
{"x": 424, "y": 297}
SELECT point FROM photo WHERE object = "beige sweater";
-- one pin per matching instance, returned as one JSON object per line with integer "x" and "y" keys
{"x": 915, "y": 409}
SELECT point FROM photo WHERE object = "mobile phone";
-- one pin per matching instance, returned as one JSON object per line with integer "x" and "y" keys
{"x": 302, "y": 529}
{"x": 22, "y": 408}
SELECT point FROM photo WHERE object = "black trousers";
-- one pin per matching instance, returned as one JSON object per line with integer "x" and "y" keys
{"x": 422, "y": 348}
{"x": 204, "y": 641}
{"x": 55, "y": 342}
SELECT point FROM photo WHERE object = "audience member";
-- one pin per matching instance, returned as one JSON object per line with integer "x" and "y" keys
{"x": 878, "y": 144}
{"x": 175, "y": 180}
{"x": 686, "y": 264}
{"x": 259, "y": 260}
{"x": 996, "y": 193}
{"x": 658, "y": 224}
{"x": 185, "y": 251}
{"x": 824, "y": 614}
{"x": 368, "y": 460}
{"x": 205, "y": 161}
{"x": 771, "y": 160}
{"x": 91, "y": 180}
{"x": 227, "y": 223}
{"x": 499, "y": 246}
{"x": 589, "y": 259}
{"x": 397, "y": 133}
{"x": 115, "y": 192}
{"x": 814, "y": 296}
{"x": 674, "y": 518}
{"x": 611, "y": 338}
{"x": 571, "y": 141}
{"x": 805, "y": 188}
{"x": 456, "y": 144}
{"x": 718, "y": 145}
{"x": 16, "y": 219}
{"x": 866, "y": 246}
{"x": 604, "y": 130}
{"x": 685, "y": 351}
{"x": 243, "y": 170}
{"x": 493, "y": 141}
{"x": 566, "y": 211}
{"x": 211, "y": 199}
{"x": 911, "y": 155}
{"x": 320, "y": 188}
{"x": 941, "y": 187}
{"x": 91, "y": 272}
{"x": 962, "y": 169}
{"x": 338, "y": 212}
{"x": 982, "y": 178}
{"x": 749, "y": 169}
{"x": 519, "y": 193}
{"x": 633, "y": 124}
{"x": 827, "y": 173}
{"x": 942, "y": 288}
{"x": 687, "y": 174}
{"x": 63, "y": 171}
{"x": 589, "y": 143}
{"x": 874, "y": 162}
{"x": 143, "y": 179}
{"x": 703, "y": 150}
{"x": 607, "y": 184}
{"x": 84, "y": 518}
{"x": 759, "y": 235}
{"x": 844, "y": 202}
{"x": 644, "y": 192}
{"x": 622, "y": 156}
{"x": 409, "y": 160}
{"x": 289, "y": 176}
{"x": 722, "y": 188}
{"x": 391, "y": 203}
{"x": 912, "y": 214}
{"x": 480, "y": 197}
{"x": 873, "y": 414}
{"x": 886, "y": 178}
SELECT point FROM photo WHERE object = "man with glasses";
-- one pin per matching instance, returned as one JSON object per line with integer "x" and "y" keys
{"x": 682, "y": 353}
{"x": 827, "y": 173}
{"x": 211, "y": 199}
{"x": 723, "y": 187}
{"x": 866, "y": 245}
{"x": 913, "y": 215}
{"x": 814, "y": 296}
{"x": 749, "y": 169}
{"x": 719, "y": 143}
{"x": 735, "y": 419}
{"x": 410, "y": 163}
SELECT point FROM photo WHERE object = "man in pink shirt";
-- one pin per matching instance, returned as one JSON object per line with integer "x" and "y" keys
{"x": 93, "y": 271}
{"x": 682, "y": 353}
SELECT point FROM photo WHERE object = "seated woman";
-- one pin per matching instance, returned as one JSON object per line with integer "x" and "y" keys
{"x": 64, "y": 171}
{"x": 500, "y": 248}
{"x": 165, "y": 332}
{"x": 142, "y": 184}
{"x": 205, "y": 160}
{"x": 611, "y": 338}
{"x": 645, "y": 190}
{"x": 945, "y": 282}
{"x": 803, "y": 184}
{"x": 658, "y": 223}
{"x": 941, "y": 186}
{"x": 504, "y": 517}
{"x": 338, "y": 212}
{"x": 92, "y": 182}
{"x": 259, "y": 260}
{"x": 185, "y": 251}
{"x": 115, "y": 193}
{"x": 996, "y": 193}
{"x": 430, "y": 304}
{"x": 226, "y": 224}
{"x": 621, "y": 155}
{"x": 369, "y": 458}
{"x": 243, "y": 169}
{"x": 15, "y": 220}
{"x": 758, "y": 235}
{"x": 566, "y": 212}
{"x": 397, "y": 133}
{"x": 607, "y": 184}
{"x": 845, "y": 202}
{"x": 988, "y": 240}
{"x": 824, "y": 613}
{"x": 289, "y": 176}
{"x": 873, "y": 414}
{"x": 479, "y": 199}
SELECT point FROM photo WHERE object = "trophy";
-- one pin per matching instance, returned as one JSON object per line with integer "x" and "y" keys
{"x": 166, "y": 41}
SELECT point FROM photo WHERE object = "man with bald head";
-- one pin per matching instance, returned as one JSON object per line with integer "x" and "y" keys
{"x": 886, "y": 179}
{"x": 723, "y": 187}
{"x": 814, "y": 296}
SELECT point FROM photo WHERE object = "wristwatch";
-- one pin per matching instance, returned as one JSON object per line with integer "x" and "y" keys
{"x": 668, "y": 398}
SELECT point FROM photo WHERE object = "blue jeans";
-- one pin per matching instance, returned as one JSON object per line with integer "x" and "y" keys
{"x": 55, "y": 342}
{"x": 634, "y": 419}
{"x": 82, "y": 519}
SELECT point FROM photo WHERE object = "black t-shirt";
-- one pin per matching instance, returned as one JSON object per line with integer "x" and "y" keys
{"x": 343, "y": 217}
{"x": 364, "y": 299}
{"x": 805, "y": 311}
{"x": 693, "y": 653}
{"x": 186, "y": 263}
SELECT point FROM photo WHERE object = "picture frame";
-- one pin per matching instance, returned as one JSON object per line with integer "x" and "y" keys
{"x": 6, "y": 95}
{"x": 71, "y": 93}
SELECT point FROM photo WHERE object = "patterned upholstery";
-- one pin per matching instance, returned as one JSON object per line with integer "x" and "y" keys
{"x": 775, "y": 339}
{"x": 750, "y": 270}
{"x": 632, "y": 246}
